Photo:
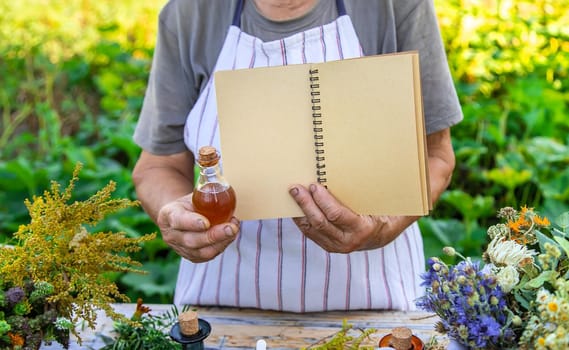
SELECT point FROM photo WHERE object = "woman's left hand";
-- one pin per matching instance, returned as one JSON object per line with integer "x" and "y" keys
{"x": 338, "y": 229}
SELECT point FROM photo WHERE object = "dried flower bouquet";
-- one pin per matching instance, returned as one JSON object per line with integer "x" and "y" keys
{"x": 517, "y": 297}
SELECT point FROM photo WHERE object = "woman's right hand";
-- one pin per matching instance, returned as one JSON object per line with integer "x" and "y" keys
{"x": 190, "y": 234}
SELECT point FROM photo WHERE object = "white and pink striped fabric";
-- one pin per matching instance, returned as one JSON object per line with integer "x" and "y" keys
{"x": 271, "y": 265}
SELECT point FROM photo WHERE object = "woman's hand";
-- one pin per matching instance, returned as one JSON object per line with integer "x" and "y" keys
{"x": 338, "y": 229}
{"x": 162, "y": 185}
{"x": 190, "y": 234}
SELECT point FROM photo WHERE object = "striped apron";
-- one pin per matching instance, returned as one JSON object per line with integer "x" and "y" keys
{"x": 271, "y": 264}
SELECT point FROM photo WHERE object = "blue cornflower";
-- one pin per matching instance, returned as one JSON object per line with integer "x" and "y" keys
{"x": 470, "y": 304}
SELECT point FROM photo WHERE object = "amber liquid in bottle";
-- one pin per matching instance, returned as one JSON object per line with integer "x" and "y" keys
{"x": 213, "y": 197}
{"x": 215, "y": 201}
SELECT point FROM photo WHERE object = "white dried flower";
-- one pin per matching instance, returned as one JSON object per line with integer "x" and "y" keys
{"x": 502, "y": 252}
{"x": 508, "y": 277}
{"x": 500, "y": 230}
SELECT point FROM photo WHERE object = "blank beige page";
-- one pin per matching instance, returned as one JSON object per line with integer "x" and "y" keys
{"x": 372, "y": 137}
{"x": 265, "y": 123}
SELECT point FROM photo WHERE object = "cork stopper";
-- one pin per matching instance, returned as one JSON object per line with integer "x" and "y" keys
{"x": 401, "y": 338}
{"x": 208, "y": 156}
{"x": 188, "y": 321}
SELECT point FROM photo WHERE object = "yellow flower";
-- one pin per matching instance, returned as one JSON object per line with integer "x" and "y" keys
{"x": 552, "y": 306}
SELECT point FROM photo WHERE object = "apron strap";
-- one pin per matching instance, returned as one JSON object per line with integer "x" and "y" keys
{"x": 341, "y": 8}
{"x": 237, "y": 15}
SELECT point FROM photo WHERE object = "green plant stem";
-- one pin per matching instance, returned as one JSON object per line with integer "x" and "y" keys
{"x": 10, "y": 124}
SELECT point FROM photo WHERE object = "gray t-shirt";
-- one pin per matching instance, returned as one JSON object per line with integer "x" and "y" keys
{"x": 191, "y": 33}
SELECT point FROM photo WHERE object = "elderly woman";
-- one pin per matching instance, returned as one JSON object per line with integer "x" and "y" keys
{"x": 332, "y": 258}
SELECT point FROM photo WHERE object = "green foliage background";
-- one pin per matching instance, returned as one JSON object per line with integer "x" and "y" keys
{"x": 73, "y": 75}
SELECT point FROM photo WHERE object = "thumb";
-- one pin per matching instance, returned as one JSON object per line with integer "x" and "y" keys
{"x": 178, "y": 215}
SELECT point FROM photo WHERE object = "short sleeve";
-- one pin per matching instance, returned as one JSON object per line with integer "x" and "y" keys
{"x": 169, "y": 94}
{"x": 418, "y": 29}
{"x": 190, "y": 37}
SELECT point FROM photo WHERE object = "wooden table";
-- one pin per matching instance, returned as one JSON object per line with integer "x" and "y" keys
{"x": 241, "y": 328}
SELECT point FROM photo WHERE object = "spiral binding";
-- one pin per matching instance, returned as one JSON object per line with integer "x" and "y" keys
{"x": 317, "y": 126}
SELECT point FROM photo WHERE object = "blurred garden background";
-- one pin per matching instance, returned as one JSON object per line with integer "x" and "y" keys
{"x": 73, "y": 75}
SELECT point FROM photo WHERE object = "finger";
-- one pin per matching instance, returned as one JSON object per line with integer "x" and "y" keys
{"x": 203, "y": 246}
{"x": 321, "y": 209}
{"x": 177, "y": 216}
{"x": 303, "y": 198}
{"x": 306, "y": 228}
{"x": 216, "y": 234}
{"x": 303, "y": 224}
{"x": 323, "y": 233}
{"x": 209, "y": 252}
{"x": 311, "y": 210}
{"x": 334, "y": 210}
{"x": 314, "y": 217}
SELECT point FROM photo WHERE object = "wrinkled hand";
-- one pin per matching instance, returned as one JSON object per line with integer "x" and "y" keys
{"x": 190, "y": 234}
{"x": 335, "y": 227}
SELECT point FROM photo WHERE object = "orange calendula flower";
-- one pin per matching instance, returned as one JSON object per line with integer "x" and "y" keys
{"x": 140, "y": 310}
{"x": 16, "y": 339}
{"x": 543, "y": 222}
{"x": 521, "y": 240}
{"x": 514, "y": 226}
{"x": 525, "y": 210}
{"x": 526, "y": 215}
{"x": 518, "y": 229}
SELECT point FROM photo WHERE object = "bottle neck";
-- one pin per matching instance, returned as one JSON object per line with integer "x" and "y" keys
{"x": 211, "y": 174}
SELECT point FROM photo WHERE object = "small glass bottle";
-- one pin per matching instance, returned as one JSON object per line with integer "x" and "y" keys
{"x": 213, "y": 197}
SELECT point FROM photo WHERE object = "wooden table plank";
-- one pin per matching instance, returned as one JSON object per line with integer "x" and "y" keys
{"x": 241, "y": 328}
{"x": 234, "y": 329}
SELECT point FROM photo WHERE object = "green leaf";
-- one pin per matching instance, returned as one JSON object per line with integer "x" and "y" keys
{"x": 545, "y": 276}
{"x": 563, "y": 243}
{"x": 544, "y": 239}
{"x": 508, "y": 177}
{"x": 19, "y": 173}
{"x": 443, "y": 230}
{"x": 158, "y": 281}
{"x": 523, "y": 299}
{"x": 470, "y": 207}
{"x": 563, "y": 221}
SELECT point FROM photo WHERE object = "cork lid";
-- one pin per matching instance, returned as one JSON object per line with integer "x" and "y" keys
{"x": 401, "y": 338}
{"x": 188, "y": 322}
{"x": 208, "y": 156}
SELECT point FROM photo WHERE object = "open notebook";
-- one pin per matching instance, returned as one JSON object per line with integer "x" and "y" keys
{"x": 354, "y": 125}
